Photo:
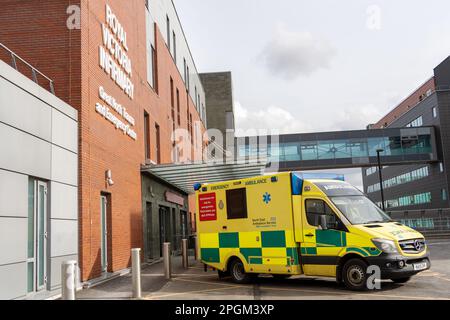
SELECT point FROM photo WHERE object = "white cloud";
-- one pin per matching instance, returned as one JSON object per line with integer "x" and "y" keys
{"x": 293, "y": 54}
{"x": 356, "y": 118}
{"x": 271, "y": 118}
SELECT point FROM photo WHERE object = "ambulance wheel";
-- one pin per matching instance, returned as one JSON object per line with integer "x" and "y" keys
{"x": 401, "y": 280}
{"x": 237, "y": 272}
{"x": 354, "y": 274}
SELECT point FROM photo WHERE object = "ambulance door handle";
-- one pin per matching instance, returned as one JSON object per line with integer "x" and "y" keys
{"x": 309, "y": 235}
{"x": 224, "y": 227}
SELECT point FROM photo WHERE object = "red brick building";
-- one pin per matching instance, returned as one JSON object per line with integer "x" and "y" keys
{"x": 126, "y": 67}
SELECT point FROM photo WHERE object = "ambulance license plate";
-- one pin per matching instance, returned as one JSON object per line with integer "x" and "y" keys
{"x": 420, "y": 266}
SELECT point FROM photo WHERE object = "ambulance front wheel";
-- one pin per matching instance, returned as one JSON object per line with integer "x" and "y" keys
{"x": 237, "y": 272}
{"x": 354, "y": 274}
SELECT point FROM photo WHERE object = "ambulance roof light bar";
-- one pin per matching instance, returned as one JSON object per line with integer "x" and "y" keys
{"x": 319, "y": 176}
{"x": 299, "y": 177}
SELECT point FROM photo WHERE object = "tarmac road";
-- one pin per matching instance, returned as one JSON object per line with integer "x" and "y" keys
{"x": 195, "y": 284}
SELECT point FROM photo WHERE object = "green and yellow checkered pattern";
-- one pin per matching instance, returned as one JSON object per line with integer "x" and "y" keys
{"x": 257, "y": 247}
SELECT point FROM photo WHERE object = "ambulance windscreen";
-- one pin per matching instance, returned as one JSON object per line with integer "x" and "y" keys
{"x": 336, "y": 189}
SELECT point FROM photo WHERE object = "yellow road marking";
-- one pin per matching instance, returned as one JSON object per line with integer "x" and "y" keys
{"x": 357, "y": 294}
{"x": 442, "y": 278}
{"x": 190, "y": 292}
{"x": 210, "y": 283}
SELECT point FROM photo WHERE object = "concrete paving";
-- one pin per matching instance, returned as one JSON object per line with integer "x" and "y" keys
{"x": 195, "y": 284}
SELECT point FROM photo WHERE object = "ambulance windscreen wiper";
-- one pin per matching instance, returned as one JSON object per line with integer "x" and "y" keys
{"x": 378, "y": 221}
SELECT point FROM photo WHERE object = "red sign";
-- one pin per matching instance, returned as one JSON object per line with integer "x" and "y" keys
{"x": 207, "y": 207}
{"x": 174, "y": 198}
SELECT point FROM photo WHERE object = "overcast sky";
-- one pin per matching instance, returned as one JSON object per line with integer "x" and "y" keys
{"x": 324, "y": 65}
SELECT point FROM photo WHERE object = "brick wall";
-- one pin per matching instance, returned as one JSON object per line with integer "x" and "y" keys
{"x": 71, "y": 59}
{"x": 410, "y": 102}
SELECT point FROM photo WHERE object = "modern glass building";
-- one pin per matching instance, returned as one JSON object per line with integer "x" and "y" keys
{"x": 343, "y": 149}
{"x": 417, "y": 189}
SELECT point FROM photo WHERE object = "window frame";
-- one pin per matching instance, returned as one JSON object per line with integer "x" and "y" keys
{"x": 233, "y": 216}
{"x": 337, "y": 217}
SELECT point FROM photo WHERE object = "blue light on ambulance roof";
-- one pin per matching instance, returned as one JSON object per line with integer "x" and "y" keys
{"x": 298, "y": 177}
{"x": 197, "y": 186}
{"x": 324, "y": 176}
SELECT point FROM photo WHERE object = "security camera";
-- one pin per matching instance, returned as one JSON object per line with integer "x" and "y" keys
{"x": 109, "y": 179}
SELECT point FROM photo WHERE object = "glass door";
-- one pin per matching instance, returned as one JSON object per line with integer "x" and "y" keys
{"x": 41, "y": 235}
{"x": 162, "y": 228}
{"x": 104, "y": 232}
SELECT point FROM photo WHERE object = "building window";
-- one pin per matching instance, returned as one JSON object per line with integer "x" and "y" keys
{"x": 174, "y": 43}
{"x": 371, "y": 171}
{"x": 172, "y": 99}
{"x": 151, "y": 52}
{"x": 417, "y": 199}
{"x": 444, "y": 194}
{"x": 415, "y": 123}
{"x": 191, "y": 128}
{"x": 441, "y": 167}
{"x": 188, "y": 80}
{"x": 178, "y": 108}
{"x": 185, "y": 71}
{"x": 434, "y": 112}
{"x": 168, "y": 31}
{"x": 401, "y": 179}
{"x": 158, "y": 143}
{"x": 147, "y": 135}
{"x": 196, "y": 99}
{"x": 236, "y": 203}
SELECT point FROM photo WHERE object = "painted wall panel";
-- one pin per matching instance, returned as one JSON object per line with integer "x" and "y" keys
{"x": 13, "y": 194}
{"x": 64, "y": 166}
{"x": 13, "y": 277}
{"x": 64, "y": 201}
{"x": 13, "y": 240}
{"x": 24, "y": 153}
{"x": 24, "y": 111}
{"x": 64, "y": 237}
{"x": 64, "y": 131}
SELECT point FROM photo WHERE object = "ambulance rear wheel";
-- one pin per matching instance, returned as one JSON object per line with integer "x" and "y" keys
{"x": 354, "y": 274}
{"x": 237, "y": 272}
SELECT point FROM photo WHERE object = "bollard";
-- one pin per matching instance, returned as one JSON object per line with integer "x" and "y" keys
{"x": 68, "y": 280}
{"x": 167, "y": 260}
{"x": 136, "y": 272}
{"x": 184, "y": 246}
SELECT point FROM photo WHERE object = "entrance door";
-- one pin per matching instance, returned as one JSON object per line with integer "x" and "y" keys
{"x": 162, "y": 229}
{"x": 165, "y": 233}
{"x": 148, "y": 230}
{"x": 184, "y": 231}
{"x": 104, "y": 232}
{"x": 41, "y": 235}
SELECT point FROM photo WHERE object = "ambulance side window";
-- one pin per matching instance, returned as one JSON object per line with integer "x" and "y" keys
{"x": 315, "y": 208}
{"x": 237, "y": 204}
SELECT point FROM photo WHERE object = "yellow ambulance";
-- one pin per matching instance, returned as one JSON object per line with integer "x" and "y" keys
{"x": 299, "y": 224}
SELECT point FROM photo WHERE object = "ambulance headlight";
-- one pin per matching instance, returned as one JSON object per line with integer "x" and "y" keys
{"x": 387, "y": 246}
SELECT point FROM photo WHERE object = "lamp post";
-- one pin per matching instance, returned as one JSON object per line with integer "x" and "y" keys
{"x": 381, "y": 178}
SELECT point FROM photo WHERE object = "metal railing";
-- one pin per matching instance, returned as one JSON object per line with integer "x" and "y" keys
{"x": 431, "y": 222}
{"x": 35, "y": 73}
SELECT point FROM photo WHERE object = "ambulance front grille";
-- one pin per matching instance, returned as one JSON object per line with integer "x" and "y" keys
{"x": 412, "y": 246}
